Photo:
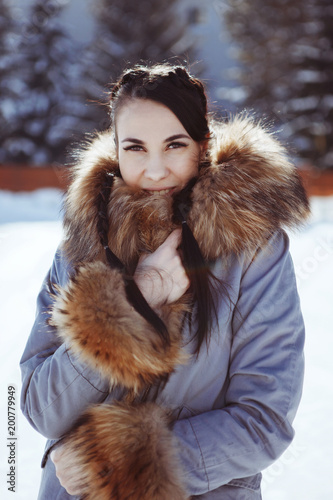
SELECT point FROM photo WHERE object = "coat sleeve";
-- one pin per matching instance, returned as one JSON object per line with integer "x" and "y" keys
{"x": 56, "y": 386}
{"x": 265, "y": 380}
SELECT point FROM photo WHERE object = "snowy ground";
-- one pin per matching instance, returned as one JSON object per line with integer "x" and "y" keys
{"x": 30, "y": 230}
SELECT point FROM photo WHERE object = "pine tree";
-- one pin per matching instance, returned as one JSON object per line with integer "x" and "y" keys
{"x": 285, "y": 50}
{"x": 49, "y": 110}
{"x": 10, "y": 59}
{"x": 130, "y": 32}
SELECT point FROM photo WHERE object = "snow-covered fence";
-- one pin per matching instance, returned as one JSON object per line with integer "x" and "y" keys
{"x": 18, "y": 177}
{"x": 28, "y": 178}
{"x": 317, "y": 182}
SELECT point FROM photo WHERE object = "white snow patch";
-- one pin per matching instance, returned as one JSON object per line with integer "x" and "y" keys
{"x": 40, "y": 205}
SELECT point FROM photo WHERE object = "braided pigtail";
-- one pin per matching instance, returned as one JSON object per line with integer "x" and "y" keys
{"x": 193, "y": 84}
{"x": 102, "y": 222}
{"x": 196, "y": 267}
{"x": 133, "y": 293}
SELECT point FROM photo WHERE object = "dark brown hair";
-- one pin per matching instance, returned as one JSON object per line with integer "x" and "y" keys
{"x": 172, "y": 86}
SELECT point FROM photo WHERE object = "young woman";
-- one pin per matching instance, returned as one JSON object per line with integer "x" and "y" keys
{"x": 166, "y": 361}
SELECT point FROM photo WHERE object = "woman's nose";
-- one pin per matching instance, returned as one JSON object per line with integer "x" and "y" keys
{"x": 156, "y": 169}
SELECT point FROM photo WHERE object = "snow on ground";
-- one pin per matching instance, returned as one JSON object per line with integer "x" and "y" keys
{"x": 30, "y": 231}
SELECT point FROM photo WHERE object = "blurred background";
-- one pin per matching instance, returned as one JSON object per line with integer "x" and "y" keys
{"x": 58, "y": 58}
{"x": 57, "y": 61}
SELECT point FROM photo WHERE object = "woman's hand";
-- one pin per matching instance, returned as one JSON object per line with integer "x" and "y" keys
{"x": 67, "y": 473}
{"x": 160, "y": 275}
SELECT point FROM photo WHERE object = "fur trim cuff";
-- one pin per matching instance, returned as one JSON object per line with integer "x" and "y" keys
{"x": 95, "y": 319}
{"x": 125, "y": 452}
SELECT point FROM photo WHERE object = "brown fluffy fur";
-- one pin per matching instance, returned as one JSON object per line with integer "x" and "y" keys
{"x": 248, "y": 191}
{"x": 94, "y": 317}
{"x": 125, "y": 452}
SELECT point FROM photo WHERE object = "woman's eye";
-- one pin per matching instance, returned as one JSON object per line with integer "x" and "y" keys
{"x": 133, "y": 148}
{"x": 176, "y": 145}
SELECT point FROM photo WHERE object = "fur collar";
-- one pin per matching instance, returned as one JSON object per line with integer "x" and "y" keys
{"x": 248, "y": 190}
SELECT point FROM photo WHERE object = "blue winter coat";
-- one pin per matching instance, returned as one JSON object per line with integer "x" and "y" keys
{"x": 233, "y": 405}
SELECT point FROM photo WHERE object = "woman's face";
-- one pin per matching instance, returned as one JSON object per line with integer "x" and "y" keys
{"x": 155, "y": 152}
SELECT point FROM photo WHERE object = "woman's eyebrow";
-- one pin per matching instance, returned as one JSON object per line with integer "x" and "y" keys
{"x": 177, "y": 136}
{"x": 131, "y": 139}
{"x": 169, "y": 139}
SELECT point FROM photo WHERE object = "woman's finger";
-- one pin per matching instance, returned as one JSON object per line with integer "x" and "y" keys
{"x": 173, "y": 240}
{"x": 68, "y": 474}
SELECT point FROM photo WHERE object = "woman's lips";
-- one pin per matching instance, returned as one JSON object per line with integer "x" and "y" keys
{"x": 160, "y": 192}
